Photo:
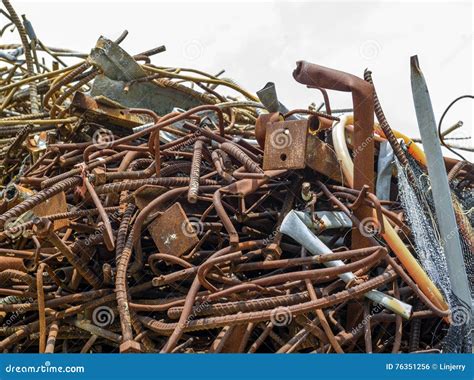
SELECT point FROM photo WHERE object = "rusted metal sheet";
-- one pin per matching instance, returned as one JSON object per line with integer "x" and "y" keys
{"x": 55, "y": 205}
{"x": 285, "y": 145}
{"x": 322, "y": 158}
{"x": 172, "y": 231}
{"x": 102, "y": 112}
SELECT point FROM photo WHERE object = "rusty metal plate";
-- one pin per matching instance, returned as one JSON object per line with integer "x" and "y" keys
{"x": 232, "y": 344}
{"x": 103, "y": 111}
{"x": 322, "y": 158}
{"x": 54, "y": 205}
{"x": 285, "y": 145}
{"x": 172, "y": 231}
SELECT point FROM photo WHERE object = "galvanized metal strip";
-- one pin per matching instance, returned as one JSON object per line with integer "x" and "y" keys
{"x": 450, "y": 240}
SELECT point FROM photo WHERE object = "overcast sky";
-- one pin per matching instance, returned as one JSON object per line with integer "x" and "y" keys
{"x": 257, "y": 42}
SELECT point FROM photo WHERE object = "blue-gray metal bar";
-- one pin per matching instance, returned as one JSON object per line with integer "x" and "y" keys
{"x": 450, "y": 240}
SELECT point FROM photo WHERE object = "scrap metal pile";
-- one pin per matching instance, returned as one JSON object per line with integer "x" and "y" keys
{"x": 158, "y": 209}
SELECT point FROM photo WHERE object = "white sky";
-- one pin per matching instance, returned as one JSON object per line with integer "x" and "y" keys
{"x": 257, "y": 42}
